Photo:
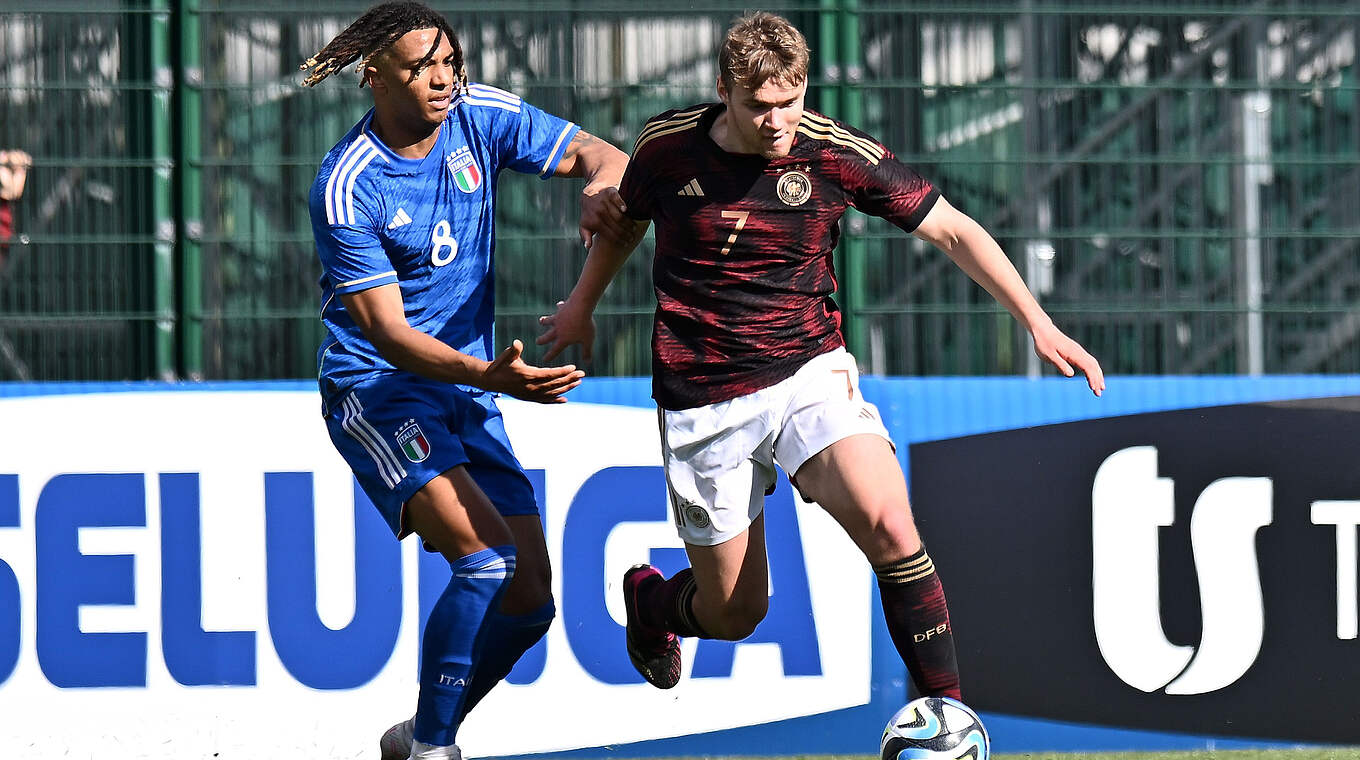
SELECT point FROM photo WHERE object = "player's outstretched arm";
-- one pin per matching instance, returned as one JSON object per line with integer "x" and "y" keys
{"x": 602, "y": 165}
{"x": 573, "y": 322}
{"x": 978, "y": 254}
{"x": 380, "y": 315}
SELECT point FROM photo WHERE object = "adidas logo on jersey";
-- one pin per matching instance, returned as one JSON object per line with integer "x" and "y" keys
{"x": 692, "y": 189}
{"x": 400, "y": 220}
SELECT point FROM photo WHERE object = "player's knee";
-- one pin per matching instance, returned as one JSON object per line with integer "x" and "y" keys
{"x": 903, "y": 535}
{"x": 893, "y": 532}
{"x": 739, "y": 618}
{"x": 530, "y": 589}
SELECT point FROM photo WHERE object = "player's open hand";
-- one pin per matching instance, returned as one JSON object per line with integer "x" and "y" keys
{"x": 1068, "y": 356}
{"x": 570, "y": 324}
{"x": 510, "y": 374}
{"x": 602, "y": 213}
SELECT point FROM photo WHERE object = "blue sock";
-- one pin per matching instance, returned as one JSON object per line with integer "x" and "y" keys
{"x": 508, "y": 638}
{"x": 453, "y": 638}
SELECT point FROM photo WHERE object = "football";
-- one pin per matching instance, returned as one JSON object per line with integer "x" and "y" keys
{"x": 934, "y": 728}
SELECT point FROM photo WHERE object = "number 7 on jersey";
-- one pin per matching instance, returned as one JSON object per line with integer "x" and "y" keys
{"x": 740, "y": 216}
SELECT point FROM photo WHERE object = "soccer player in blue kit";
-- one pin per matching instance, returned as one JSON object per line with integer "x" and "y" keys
{"x": 403, "y": 214}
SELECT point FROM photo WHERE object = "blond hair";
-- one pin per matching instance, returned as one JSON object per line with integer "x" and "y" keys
{"x": 762, "y": 47}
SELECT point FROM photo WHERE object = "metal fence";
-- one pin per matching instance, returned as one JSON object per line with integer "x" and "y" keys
{"x": 1179, "y": 183}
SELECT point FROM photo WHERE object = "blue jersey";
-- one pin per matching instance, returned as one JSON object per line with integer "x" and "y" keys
{"x": 427, "y": 224}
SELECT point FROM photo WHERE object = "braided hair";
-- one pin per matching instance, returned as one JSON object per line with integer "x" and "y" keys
{"x": 373, "y": 33}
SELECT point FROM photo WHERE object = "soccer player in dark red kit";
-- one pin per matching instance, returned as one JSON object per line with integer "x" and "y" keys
{"x": 749, "y": 364}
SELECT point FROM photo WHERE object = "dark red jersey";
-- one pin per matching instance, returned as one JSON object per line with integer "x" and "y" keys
{"x": 743, "y": 271}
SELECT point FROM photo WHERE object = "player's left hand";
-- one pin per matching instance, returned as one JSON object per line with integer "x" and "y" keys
{"x": 1054, "y": 347}
{"x": 602, "y": 213}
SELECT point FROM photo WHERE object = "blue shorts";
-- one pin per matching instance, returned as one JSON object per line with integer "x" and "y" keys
{"x": 399, "y": 433}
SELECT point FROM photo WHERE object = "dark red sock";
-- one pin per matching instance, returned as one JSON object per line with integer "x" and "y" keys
{"x": 669, "y": 605}
{"x": 918, "y": 620}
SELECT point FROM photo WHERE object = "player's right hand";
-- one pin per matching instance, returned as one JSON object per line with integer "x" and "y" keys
{"x": 571, "y": 324}
{"x": 602, "y": 211}
{"x": 511, "y": 375}
{"x": 1054, "y": 347}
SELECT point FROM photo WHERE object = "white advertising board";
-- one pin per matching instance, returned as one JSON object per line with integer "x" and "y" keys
{"x": 178, "y": 579}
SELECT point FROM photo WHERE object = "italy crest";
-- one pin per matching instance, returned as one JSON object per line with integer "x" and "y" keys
{"x": 413, "y": 442}
{"x": 466, "y": 175}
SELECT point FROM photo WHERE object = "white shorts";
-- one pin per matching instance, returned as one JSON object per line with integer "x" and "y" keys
{"x": 720, "y": 458}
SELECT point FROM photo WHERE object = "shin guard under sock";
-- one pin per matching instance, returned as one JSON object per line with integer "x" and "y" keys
{"x": 453, "y": 639}
{"x": 917, "y": 615}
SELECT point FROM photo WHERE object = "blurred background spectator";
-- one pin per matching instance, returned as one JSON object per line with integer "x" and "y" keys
{"x": 13, "y": 173}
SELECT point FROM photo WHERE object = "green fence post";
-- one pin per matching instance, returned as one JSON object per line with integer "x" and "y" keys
{"x": 190, "y": 81}
{"x": 855, "y": 248}
{"x": 829, "y": 54}
{"x": 829, "y": 102}
{"x": 163, "y": 190}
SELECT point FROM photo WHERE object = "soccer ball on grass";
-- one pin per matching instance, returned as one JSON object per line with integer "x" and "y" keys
{"x": 934, "y": 728}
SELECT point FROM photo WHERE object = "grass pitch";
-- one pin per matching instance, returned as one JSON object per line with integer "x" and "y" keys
{"x": 1299, "y": 753}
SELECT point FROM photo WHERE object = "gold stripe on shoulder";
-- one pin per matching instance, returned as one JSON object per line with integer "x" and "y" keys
{"x": 845, "y": 138}
{"x": 683, "y": 113}
{"x": 670, "y": 130}
{"x": 842, "y": 132}
{"x": 835, "y": 129}
{"x": 653, "y": 126}
{"x": 655, "y": 123}
{"x": 652, "y": 129}
{"x": 816, "y": 134}
{"x": 839, "y": 129}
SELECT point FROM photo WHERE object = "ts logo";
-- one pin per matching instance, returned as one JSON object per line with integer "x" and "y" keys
{"x": 1128, "y": 504}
